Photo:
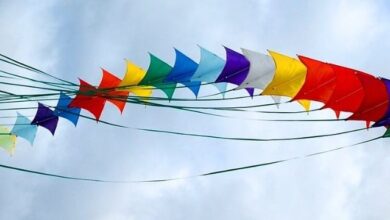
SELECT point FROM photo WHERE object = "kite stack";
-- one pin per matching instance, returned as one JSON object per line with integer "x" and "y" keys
{"x": 302, "y": 79}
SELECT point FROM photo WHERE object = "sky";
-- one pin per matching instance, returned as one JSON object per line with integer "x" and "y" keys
{"x": 72, "y": 39}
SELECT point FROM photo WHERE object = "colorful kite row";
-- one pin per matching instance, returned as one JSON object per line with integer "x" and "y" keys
{"x": 304, "y": 80}
{"x": 44, "y": 117}
{"x": 339, "y": 88}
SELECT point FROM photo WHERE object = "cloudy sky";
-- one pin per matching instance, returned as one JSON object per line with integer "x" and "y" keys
{"x": 74, "y": 39}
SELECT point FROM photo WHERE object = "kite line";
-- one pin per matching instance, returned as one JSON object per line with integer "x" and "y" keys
{"x": 217, "y": 172}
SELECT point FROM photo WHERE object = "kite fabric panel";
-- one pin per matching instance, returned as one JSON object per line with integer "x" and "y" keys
{"x": 261, "y": 70}
{"x": 235, "y": 70}
{"x": 7, "y": 140}
{"x": 62, "y": 110}
{"x": 375, "y": 101}
{"x": 348, "y": 92}
{"x": 385, "y": 120}
{"x": 87, "y": 98}
{"x": 209, "y": 68}
{"x": 142, "y": 92}
{"x": 133, "y": 76}
{"x": 319, "y": 83}
{"x": 182, "y": 72}
{"x": 290, "y": 75}
{"x": 158, "y": 70}
{"x": 183, "y": 69}
{"x": 46, "y": 118}
{"x": 24, "y": 129}
{"x": 107, "y": 89}
{"x": 193, "y": 86}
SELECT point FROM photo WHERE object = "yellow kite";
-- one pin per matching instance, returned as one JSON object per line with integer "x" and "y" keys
{"x": 290, "y": 75}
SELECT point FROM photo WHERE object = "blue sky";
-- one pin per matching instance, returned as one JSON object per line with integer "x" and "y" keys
{"x": 74, "y": 39}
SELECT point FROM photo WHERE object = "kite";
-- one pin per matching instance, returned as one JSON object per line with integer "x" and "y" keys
{"x": 301, "y": 79}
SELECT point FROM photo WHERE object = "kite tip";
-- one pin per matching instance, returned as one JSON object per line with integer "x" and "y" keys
{"x": 387, "y": 132}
